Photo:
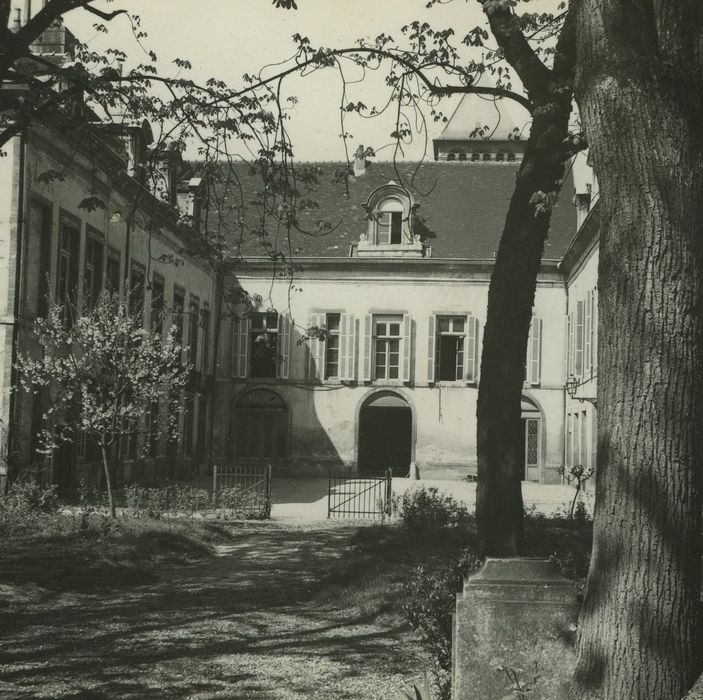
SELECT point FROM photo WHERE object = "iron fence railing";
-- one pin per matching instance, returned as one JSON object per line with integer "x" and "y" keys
{"x": 243, "y": 490}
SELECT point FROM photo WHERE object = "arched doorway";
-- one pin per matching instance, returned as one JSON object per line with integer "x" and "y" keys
{"x": 385, "y": 434}
{"x": 261, "y": 429}
{"x": 532, "y": 442}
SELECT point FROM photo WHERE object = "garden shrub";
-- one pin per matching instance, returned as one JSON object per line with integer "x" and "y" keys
{"x": 430, "y": 602}
{"x": 27, "y": 506}
{"x": 426, "y": 509}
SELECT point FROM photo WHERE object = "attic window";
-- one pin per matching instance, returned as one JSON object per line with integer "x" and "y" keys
{"x": 451, "y": 156}
{"x": 500, "y": 156}
{"x": 475, "y": 156}
{"x": 486, "y": 156}
{"x": 462, "y": 155}
{"x": 511, "y": 156}
{"x": 389, "y": 222}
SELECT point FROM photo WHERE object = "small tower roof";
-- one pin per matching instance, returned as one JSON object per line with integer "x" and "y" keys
{"x": 477, "y": 111}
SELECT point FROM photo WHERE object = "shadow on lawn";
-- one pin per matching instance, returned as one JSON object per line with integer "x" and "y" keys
{"x": 278, "y": 611}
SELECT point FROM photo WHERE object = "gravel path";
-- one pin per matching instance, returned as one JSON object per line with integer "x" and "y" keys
{"x": 263, "y": 619}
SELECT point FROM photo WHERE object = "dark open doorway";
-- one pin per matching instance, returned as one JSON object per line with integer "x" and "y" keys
{"x": 385, "y": 435}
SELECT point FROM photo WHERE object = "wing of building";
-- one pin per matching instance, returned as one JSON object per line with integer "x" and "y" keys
{"x": 345, "y": 337}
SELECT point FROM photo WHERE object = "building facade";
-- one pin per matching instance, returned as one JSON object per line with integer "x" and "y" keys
{"x": 368, "y": 355}
{"x": 355, "y": 349}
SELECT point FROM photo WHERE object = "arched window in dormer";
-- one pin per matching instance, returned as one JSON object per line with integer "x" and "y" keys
{"x": 451, "y": 156}
{"x": 500, "y": 156}
{"x": 389, "y": 222}
{"x": 511, "y": 156}
{"x": 462, "y": 155}
{"x": 389, "y": 215}
{"x": 486, "y": 156}
{"x": 475, "y": 156}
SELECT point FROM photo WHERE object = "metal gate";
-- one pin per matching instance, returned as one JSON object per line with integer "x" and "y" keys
{"x": 355, "y": 498}
{"x": 242, "y": 490}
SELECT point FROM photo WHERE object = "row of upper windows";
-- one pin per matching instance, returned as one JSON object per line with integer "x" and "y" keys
{"x": 582, "y": 337}
{"x": 500, "y": 156}
{"x": 102, "y": 271}
{"x": 262, "y": 348}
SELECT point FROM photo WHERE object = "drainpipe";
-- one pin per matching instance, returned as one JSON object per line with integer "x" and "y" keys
{"x": 565, "y": 427}
{"x": 217, "y": 309}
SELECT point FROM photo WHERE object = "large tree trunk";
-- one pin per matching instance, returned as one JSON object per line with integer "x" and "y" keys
{"x": 499, "y": 509}
{"x": 639, "y": 95}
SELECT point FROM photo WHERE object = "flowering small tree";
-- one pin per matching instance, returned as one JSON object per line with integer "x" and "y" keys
{"x": 102, "y": 377}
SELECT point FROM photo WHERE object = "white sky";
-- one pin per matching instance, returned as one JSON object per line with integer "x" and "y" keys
{"x": 226, "y": 38}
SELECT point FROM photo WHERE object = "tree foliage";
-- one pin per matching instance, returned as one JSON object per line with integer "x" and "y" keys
{"x": 104, "y": 378}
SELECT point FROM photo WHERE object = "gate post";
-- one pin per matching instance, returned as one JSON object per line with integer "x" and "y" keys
{"x": 268, "y": 490}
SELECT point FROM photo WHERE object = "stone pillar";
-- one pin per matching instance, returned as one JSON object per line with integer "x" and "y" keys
{"x": 514, "y": 615}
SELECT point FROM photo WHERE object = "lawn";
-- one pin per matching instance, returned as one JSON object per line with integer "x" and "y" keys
{"x": 205, "y": 610}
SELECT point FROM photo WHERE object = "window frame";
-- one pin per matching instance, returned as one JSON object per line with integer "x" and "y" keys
{"x": 92, "y": 290}
{"x": 460, "y": 352}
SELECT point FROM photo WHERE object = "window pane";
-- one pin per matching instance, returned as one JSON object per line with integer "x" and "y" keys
{"x": 394, "y": 329}
{"x": 333, "y": 322}
{"x": 443, "y": 324}
{"x": 380, "y": 329}
{"x": 458, "y": 325}
{"x": 396, "y": 226}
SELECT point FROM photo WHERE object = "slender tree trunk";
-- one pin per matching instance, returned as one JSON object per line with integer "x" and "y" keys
{"x": 511, "y": 293}
{"x": 639, "y": 95}
{"x": 108, "y": 479}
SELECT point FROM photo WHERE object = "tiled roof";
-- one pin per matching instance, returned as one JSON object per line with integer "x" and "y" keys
{"x": 462, "y": 208}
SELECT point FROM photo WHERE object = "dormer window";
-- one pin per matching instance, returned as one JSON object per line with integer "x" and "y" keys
{"x": 389, "y": 230}
{"x": 389, "y": 223}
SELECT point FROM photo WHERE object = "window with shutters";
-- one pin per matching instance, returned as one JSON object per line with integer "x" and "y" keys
{"x": 194, "y": 331}
{"x": 453, "y": 348}
{"x": 158, "y": 291}
{"x": 67, "y": 266}
{"x": 263, "y": 344}
{"x": 449, "y": 349}
{"x": 579, "y": 339}
{"x": 332, "y": 347}
{"x": 179, "y": 301}
{"x": 112, "y": 271}
{"x": 137, "y": 279}
{"x": 39, "y": 257}
{"x": 533, "y": 359}
{"x": 206, "y": 365}
{"x": 92, "y": 269}
{"x": 387, "y": 338}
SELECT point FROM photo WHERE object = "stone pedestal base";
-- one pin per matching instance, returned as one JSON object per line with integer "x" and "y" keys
{"x": 515, "y": 615}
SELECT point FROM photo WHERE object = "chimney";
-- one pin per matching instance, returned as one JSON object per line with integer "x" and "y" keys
{"x": 189, "y": 200}
{"x": 162, "y": 178}
{"x": 359, "y": 161}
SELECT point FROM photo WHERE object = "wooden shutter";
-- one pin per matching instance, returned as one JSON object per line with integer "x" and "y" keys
{"x": 240, "y": 347}
{"x": 283, "y": 346}
{"x": 407, "y": 348}
{"x": 471, "y": 355}
{"x": 346, "y": 348}
{"x": 594, "y": 325}
{"x": 316, "y": 350}
{"x": 587, "y": 336}
{"x": 368, "y": 347}
{"x": 431, "y": 340}
{"x": 570, "y": 345}
{"x": 578, "y": 340}
{"x": 534, "y": 351}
